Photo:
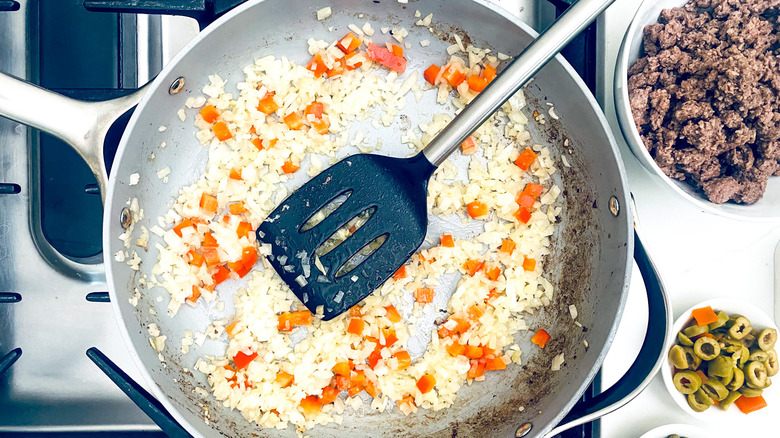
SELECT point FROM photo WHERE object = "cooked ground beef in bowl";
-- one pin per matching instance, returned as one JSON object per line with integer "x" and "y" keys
{"x": 705, "y": 96}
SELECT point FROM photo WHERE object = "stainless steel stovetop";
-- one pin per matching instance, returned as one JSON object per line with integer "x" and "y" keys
{"x": 52, "y": 306}
{"x": 53, "y": 300}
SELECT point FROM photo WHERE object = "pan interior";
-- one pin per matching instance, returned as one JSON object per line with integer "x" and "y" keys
{"x": 589, "y": 259}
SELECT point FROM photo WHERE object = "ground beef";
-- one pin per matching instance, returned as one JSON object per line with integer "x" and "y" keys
{"x": 705, "y": 96}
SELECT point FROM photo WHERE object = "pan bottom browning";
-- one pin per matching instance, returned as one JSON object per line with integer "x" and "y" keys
{"x": 445, "y": 319}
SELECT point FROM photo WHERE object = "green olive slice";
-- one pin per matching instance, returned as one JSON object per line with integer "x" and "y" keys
{"x": 702, "y": 397}
{"x": 758, "y": 355}
{"x": 737, "y": 381}
{"x": 729, "y": 375}
{"x": 744, "y": 356}
{"x": 714, "y": 389}
{"x": 731, "y": 398}
{"x": 694, "y": 330}
{"x": 749, "y": 340}
{"x": 767, "y": 338}
{"x": 771, "y": 363}
{"x": 684, "y": 340}
{"x": 739, "y": 327}
{"x": 750, "y": 392}
{"x": 755, "y": 375}
{"x": 699, "y": 401}
{"x": 722, "y": 318}
{"x": 687, "y": 382}
{"x": 721, "y": 366}
{"x": 731, "y": 346}
{"x": 691, "y": 358}
{"x": 706, "y": 348}
{"x": 678, "y": 358}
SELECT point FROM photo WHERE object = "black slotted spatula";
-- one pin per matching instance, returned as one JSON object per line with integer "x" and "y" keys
{"x": 392, "y": 190}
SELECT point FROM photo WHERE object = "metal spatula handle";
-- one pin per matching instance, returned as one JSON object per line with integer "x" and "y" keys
{"x": 514, "y": 76}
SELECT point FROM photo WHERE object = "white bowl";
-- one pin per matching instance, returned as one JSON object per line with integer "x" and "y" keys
{"x": 684, "y": 430}
{"x": 768, "y": 208}
{"x": 714, "y": 415}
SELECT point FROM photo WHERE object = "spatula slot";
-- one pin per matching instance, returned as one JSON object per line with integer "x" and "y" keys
{"x": 345, "y": 231}
{"x": 361, "y": 256}
{"x": 321, "y": 214}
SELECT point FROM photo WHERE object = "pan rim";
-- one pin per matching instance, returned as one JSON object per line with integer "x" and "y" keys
{"x": 109, "y": 243}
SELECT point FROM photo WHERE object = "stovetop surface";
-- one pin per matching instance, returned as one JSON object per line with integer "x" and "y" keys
{"x": 53, "y": 307}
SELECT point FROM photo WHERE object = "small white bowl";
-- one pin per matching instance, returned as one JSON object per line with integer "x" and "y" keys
{"x": 714, "y": 415}
{"x": 767, "y": 209}
{"x": 684, "y": 430}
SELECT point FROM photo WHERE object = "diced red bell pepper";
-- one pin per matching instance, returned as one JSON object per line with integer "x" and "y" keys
{"x": 243, "y": 360}
{"x": 386, "y": 58}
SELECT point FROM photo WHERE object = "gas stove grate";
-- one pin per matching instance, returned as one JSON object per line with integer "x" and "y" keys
{"x": 9, "y": 359}
{"x": 203, "y": 11}
{"x": 9, "y": 5}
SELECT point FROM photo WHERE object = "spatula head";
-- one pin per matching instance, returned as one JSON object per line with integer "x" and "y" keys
{"x": 394, "y": 189}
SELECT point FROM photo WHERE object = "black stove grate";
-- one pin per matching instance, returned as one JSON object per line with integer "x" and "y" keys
{"x": 9, "y": 5}
{"x": 203, "y": 11}
{"x": 71, "y": 213}
{"x": 9, "y": 359}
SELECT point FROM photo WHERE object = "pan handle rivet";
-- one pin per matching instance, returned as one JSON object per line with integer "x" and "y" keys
{"x": 523, "y": 430}
{"x": 614, "y": 206}
{"x": 176, "y": 85}
{"x": 125, "y": 218}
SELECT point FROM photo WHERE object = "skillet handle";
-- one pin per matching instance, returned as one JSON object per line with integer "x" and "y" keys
{"x": 82, "y": 125}
{"x": 647, "y": 362}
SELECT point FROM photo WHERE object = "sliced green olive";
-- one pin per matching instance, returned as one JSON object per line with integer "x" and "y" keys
{"x": 687, "y": 382}
{"x": 692, "y": 359}
{"x": 750, "y": 392}
{"x": 771, "y": 363}
{"x": 731, "y": 398}
{"x": 758, "y": 355}
{"x": 755, "y": 375}
{"x": 739, "y": 327}
{"x": 749, "y": 340}
{"x": 735, "y": 357}
{"x": 714, "y": 389}
{"x": 684, "y": 340}
{"x": 729, "y": 375}
{"x": 767, "y": 339}
{"x": 744, "y": 355}
{"x": 722, "y": 318}
{"x": 699, "y": 401}
{"x": 694, "y": 330}
{"x": 737, "y": 381}
{"x": 706, "y": 348}
{"x": 721, "y": 366}
{"x": 704, "y": 398}
{"x": 678, "y": 358}
{"x": 730, "y": 345}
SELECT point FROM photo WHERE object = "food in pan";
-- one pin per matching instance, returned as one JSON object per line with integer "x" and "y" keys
{"x": 704, "y": 96}
{"x": 284, "y": 365}
{"x": 721, "y": 359}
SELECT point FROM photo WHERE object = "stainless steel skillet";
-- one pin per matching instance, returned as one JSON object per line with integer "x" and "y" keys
{"x": 590, "y": 261}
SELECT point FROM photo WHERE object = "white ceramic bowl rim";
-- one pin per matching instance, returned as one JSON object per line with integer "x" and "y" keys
{"x": 685, "y": 430}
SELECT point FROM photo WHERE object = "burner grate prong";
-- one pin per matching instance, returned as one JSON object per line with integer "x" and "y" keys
{"x": 151, "y": 407}
{"x": 9, "y": 359}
